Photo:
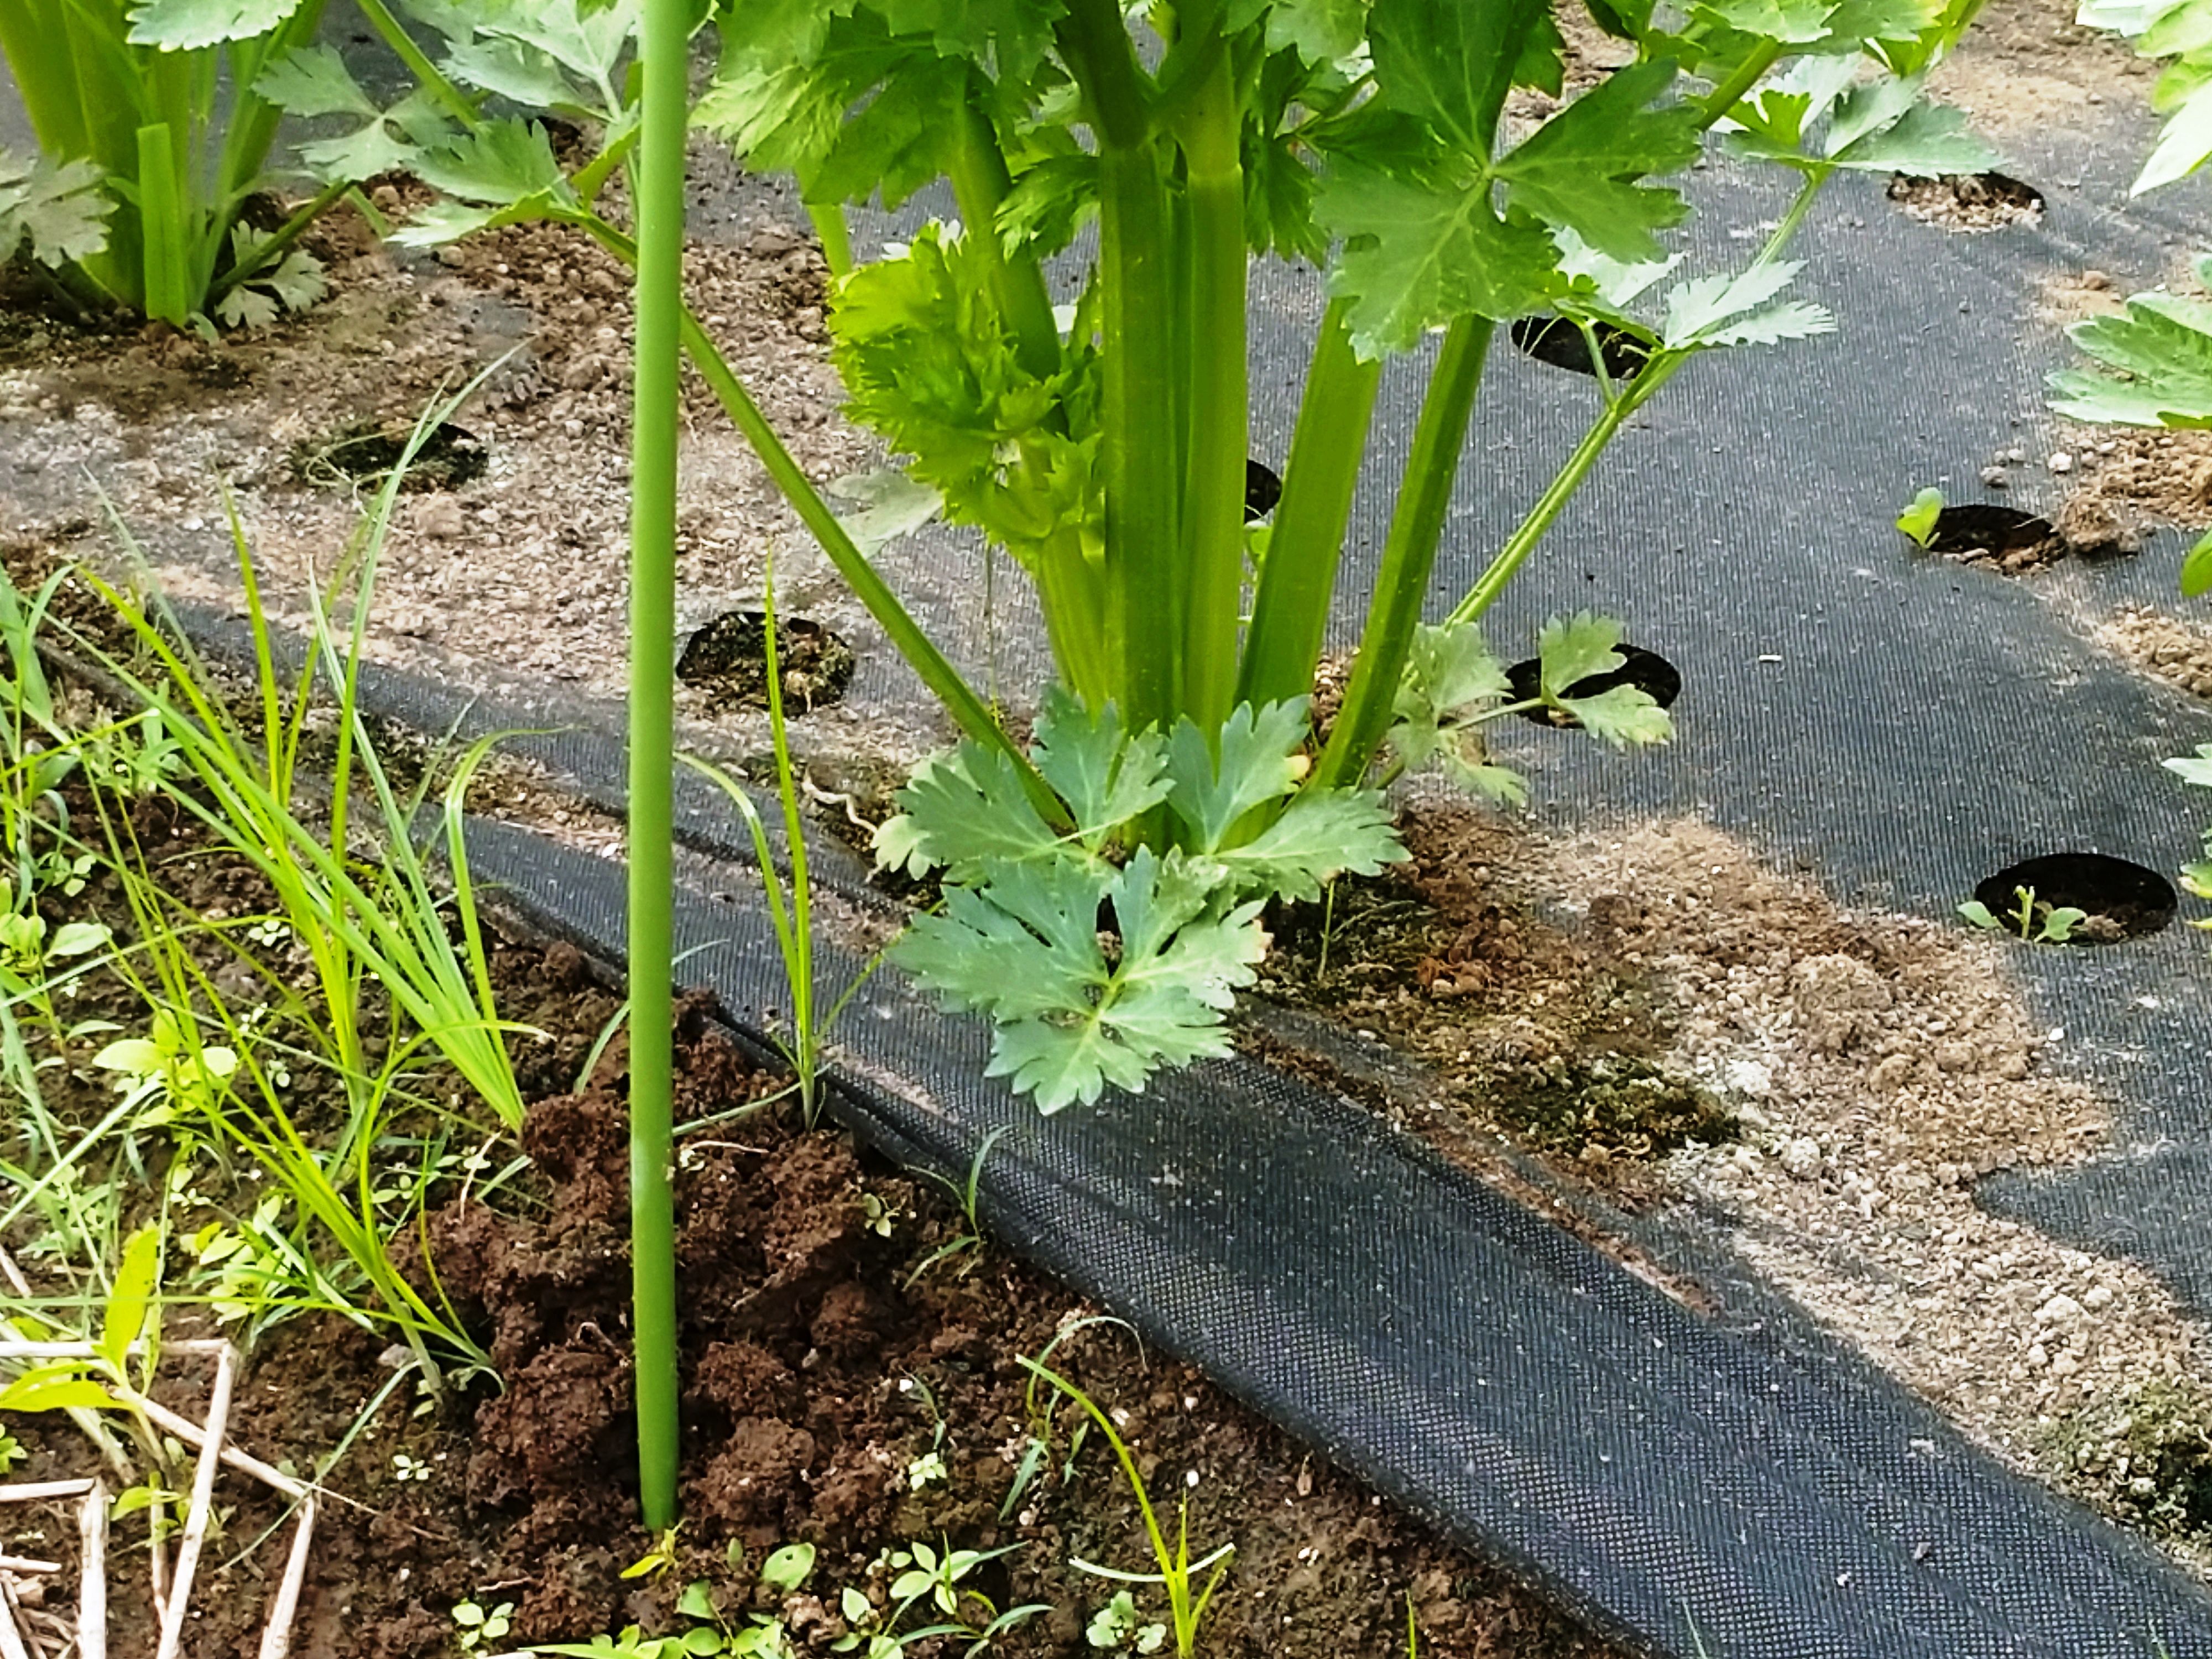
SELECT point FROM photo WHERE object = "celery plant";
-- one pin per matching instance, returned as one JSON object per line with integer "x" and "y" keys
{"x": 1103, "y": 443}
{"x": 149, "y": 157}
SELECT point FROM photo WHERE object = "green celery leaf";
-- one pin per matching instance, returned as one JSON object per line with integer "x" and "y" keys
{"x": 188, "y": 24}
{"x": 963, "y": 811}
{"x": 1278, "y": 200}
{"x": 1855, "y": 23}
{"x": 2161, "y": 350}
{"x": 1573, "y": 648}
{"x": 1576, "y": 170}
{"x": 2184, "y": 145}
{"x": 1048, "y": 203}
{"x": 928, "y": 365}
{"x": 1927, "y": 140}
{"x": 1451, "y": 669}
{"x": 1437, "y": 254}
{"x": 890, "y": 505}
{"x": 59, "y": 208}
{"x": 1500, "y": 785}
{"x": 444, "y": 222}
{"x": 1012, "y": 34}
{"x": 508, "y": 69}
{"x": 313, "y": 80}
{"x": 1450, "y": 63}
{"x": 499, "y": 163}
{"x": 1625, "y": 716}
{"x": 1022, "y": 946}
{"x": 2197, "y": 769}
{"x": 1181, "y": 964}
{"x": 779, "y": 30}
{"x": 1105, "y": 777}
{"x": 1733, "y": 310}
{"x": 2195, "y": 575}
{"x": 1792, "y": 22}
{"x": 1255, "y": 767}
{"x": 1319, "y": 30}
{"x": 1063, "y": 1065}
{"x": 1321, "y": 835}
{"x": 901, "y": 139}
{"x": 588, "y": 41}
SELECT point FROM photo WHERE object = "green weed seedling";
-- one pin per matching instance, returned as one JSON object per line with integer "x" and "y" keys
{"x": 966, "y": 1194}
{"x": 2196, "y": 878}
{"x": 930, "y": 1578}
{"x": 1918, "y": 521}
{"x": 1119, "y": 1625}
{"x": 791, "y": 911}
{"x": 1186, "y": 1609}
{"x": 759, "y": 1635}
{"x": 475, "y": 1625}
{"x": 2037, "y": 921}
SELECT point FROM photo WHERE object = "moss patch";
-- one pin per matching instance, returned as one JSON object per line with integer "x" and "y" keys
{"x": 2144, "y": 1458}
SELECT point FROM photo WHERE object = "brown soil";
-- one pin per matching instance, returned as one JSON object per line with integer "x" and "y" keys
{"x": 2027, "y": 67}
{"x": 2137, "y": 477}
{"x": 2165, "y": 647}
{"x": 821, "y": 1357}
{"x": 1969, "y": 201}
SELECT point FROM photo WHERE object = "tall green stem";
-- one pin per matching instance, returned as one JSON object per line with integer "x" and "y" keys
{"x": 1220, "y": 417}
{"x": 664, "y": 55}
{"x": 1145, "y": 609}
{"x": 1416, "y": 526}
{"x": 427, "y": 74}
{"x": 980, "y": 182}
{"x": 1145, "y": 597}
{"x": 1289, "y": 613}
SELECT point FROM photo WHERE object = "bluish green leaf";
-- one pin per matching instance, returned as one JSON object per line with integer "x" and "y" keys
{"x": 1105, "y": 777}
{"x": 1625, "y": 716}
{"x": 187, "y": 25}
{"x": 507, "y": 69}
{"x": 1254, "y": 767}
{"x": 311, "y": 80}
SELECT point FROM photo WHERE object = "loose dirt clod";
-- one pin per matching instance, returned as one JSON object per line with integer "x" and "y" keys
{"x": 2165, "y": 647}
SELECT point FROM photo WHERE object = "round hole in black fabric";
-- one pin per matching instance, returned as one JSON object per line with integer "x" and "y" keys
{"x": 1985, "y": 527}
{"x": 450, "y": 456}
{"x": 1558, "y": 341}
{"x": 1263, "y": 488}
{"x": 1647, "y": 670}
{"x": 728, "y": 658}
{"x": 1967, "y": 201}
{"x": 2123, "y": 900}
